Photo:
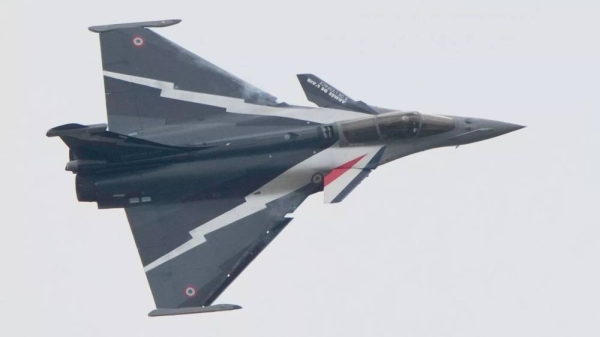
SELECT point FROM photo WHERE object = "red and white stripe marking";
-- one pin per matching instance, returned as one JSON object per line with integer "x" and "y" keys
{"x": 342, "y": 176}
{"x": 340, "y": 170}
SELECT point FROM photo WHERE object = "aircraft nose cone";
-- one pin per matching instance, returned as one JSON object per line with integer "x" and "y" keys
{"x": 501, "y": 128}
{"x": 476, "y": 130}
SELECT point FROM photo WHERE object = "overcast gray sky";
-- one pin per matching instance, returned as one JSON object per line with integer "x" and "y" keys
{"x": 497, "y": 238}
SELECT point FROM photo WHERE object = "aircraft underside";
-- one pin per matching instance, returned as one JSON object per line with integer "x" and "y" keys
{"x": 209, "y": 168}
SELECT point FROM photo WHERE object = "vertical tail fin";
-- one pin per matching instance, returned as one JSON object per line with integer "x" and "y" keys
{"x": 326, "y": 95}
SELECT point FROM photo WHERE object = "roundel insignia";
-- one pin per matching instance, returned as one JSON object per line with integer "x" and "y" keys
{"x": 190, "y": 291}
{"x": 138, "y": 41}
{"x": 317, "y": 178}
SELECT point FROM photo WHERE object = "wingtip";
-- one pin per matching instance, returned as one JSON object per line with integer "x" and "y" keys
{"x": 193, "y": 310}
{"x": 145, "y": 24}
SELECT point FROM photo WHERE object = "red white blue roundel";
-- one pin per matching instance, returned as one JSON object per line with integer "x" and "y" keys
{"x": 137, "y": 41}
{"x": 190, "y": 291}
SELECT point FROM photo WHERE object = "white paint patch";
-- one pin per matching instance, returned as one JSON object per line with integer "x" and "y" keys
{"x": 286, "y": 183}
{"x": 236, "y": 105}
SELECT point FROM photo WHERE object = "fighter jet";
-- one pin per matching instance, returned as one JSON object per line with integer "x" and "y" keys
{"x": 208, "y": 168}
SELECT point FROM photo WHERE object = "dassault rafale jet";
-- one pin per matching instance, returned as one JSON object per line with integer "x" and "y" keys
{"x": 208, "y": 168}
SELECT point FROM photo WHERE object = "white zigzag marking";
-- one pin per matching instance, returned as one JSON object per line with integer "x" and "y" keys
{"x": 237, "y": 105}
{"x": 287, "y": 182}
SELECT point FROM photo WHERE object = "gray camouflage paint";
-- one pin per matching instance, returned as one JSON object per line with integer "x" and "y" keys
{"x": 190, "y": 146}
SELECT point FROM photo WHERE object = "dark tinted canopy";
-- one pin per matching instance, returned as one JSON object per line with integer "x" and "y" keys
{"x": 395, "y": 126}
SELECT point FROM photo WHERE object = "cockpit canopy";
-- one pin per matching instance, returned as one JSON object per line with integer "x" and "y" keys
{"x": 394, "y": 126}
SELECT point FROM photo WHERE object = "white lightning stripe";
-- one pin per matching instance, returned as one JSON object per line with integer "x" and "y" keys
{"x": 237, "y": 105}
{"x": 240, "y": 212}
{"x": 287, "y": 182}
